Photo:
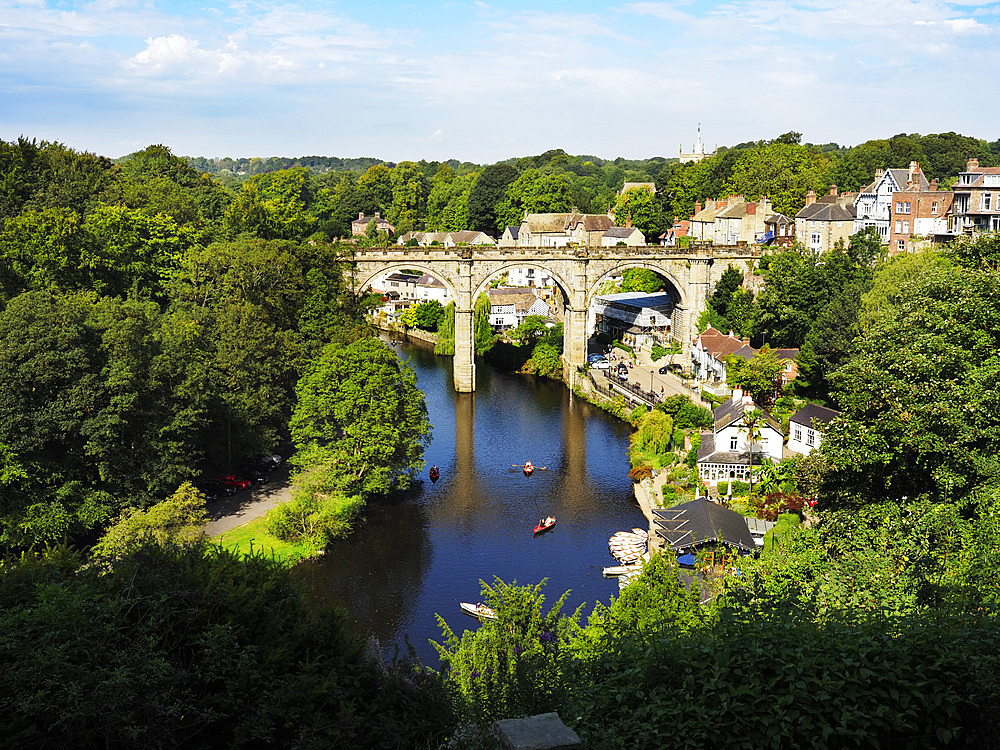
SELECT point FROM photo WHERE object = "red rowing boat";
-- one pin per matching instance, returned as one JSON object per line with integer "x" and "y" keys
{"x": 545, "y": 524}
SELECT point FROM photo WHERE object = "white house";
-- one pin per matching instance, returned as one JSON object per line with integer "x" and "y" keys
{"x": 413, "y": 288}
{"x": 873, "y": 204}
{"x": 724, "y": 453}
{"x": 806, "y": 427}
{"x": 509, "y": 306}
{"x": 710, "y": 349}
{"x": 525, "y": 277}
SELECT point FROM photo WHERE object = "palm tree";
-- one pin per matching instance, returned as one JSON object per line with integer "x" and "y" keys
{"x": 753, "y": 421}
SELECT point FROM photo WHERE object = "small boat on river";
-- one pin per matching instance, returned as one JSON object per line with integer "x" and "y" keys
{"x": 545, "y": 524}
{"x": 479, "y": 610}
{"x": 434, "y": 473}
{"x": 528, "y": 469}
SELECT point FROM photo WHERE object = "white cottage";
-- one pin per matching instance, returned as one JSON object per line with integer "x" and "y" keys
{"x": 806, "y": 427}
{"x": 724, "y": 454}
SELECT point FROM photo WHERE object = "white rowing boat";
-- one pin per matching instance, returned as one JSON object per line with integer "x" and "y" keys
{"x": 479, "y": 611}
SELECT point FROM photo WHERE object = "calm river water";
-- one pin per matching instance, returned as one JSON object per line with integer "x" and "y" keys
{"x": 425, "y": 554}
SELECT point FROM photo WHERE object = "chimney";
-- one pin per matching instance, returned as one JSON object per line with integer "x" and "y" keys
{"x": 628, "y": 222}
{"x": 697, "y": 207}
{"x": 934, "y": 185}
{"x": 914, "y": 178}
{"x": 376, "y": 215}
{"x": 737, "y": 395}
{"x": 972, "y": 165}
{"x": 833, "y": 190}
{"x": 751, "y": 209}
{"x": 361, "y": 215}
{"x": 878, "y": 174}
{"x": 810, "y": 197}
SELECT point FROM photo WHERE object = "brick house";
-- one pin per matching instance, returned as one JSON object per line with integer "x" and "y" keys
{"x": 918, "y": 214}
{"x": 359, "y": 225}
{"x": 976, "y": 195}
{"x": 874, "y": 202}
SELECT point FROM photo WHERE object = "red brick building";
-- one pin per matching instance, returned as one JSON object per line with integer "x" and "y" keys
{"x": 916, "y": 217}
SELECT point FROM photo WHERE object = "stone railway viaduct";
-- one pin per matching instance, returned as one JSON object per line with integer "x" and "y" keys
{"x": 691, "y": 274}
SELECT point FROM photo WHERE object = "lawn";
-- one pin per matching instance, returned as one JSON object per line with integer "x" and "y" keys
{"x": 253, "y": 537}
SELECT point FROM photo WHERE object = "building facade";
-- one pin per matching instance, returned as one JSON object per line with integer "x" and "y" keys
{"x": 976, "y": 195}
{"x": 917, "y": 218}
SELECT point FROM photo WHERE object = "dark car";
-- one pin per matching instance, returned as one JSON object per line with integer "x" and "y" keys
{"x": 234, "y": 481}
{"x": 266, "y": 462}
{"x": 211, "y": 493}
{"x": 218, "y": 489}
{"x": 669, "y": 368}
{"x": 254, "y": 472}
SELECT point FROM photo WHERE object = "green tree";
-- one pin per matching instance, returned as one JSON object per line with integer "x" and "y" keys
{"x": 759, "y": 376}
{"x": 360, "y": 410}
{"x": 446, "y": 332}
{"x": 638, "y": 207}
{"x": 428, "y": 315}
{"x": 642, "y": 280}
{"x": 752, "y": 424}
{"x": 486, "y": 194}
{"x": 482, "y": 330}
{"x": 785, "y": 172}
{"x": 375, "y": 187}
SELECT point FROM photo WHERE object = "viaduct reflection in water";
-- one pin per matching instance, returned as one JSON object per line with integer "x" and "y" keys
{"x": 420, "y": 555}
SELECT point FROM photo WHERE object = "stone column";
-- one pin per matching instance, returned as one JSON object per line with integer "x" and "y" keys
{"x": 465, "y": 362}
{"x": 575, "y": 337}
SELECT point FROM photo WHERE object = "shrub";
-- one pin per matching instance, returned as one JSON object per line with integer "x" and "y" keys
{"x": 638, "y": 473}
{"x": 741, "y": 488}
{"x": 723, "y": 488}
{"x": 659, "y": 352}
{"x": 692, "y": 456}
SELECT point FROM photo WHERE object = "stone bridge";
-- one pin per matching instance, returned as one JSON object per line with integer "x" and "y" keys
{"x": 691, "y": 274}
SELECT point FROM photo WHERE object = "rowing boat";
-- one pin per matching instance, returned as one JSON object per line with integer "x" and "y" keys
{"x": 479, "y": 611}
{"x": 545, "y": 524}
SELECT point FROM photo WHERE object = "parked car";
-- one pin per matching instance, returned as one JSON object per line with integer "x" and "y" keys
{"x": 220, "y": 489}
{"x": 595, "y": 357}
{"x": 234, "y": 481}
{"x": 211, "y": 493}
{"x": 254, "y": 472}
{"x": 267, "y": 461}
{"x": 669, "y": 368}
{"x": 600, "y": 364}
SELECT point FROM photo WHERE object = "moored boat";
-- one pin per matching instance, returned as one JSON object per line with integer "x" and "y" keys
{"x": 434, "y": 473}
{"x": 479, "y": 611}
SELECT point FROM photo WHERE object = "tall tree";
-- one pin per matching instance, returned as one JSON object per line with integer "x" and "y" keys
{"x": 485, "y": 195}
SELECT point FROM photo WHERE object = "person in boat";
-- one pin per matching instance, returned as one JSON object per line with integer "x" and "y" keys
{"x": 434, "y": 471}
{"x": 528, "y": 466}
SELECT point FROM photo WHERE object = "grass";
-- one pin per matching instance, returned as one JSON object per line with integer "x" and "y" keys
{"x": 253, "y": 537}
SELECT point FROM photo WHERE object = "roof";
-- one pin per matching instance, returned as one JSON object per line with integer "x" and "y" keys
{"x": 590, "y": 222}
{"x": 410, "y": 278}
{"x": 733, "y": 410}
{"x": 702, "y": 521}
{"x": 811, "y": 412}
{"x": 718, "y": 344}
{"x": 650, "y": 186}
{"x": 470, "y": 236}
{"x": 792, "y": 354}
{"x": 737, "y": 211}
{"x": 745, "y": 352}
{"x": 428, "y": 280}
{"x": 521, "y": 297}
{"x": 826, "y": 212}
{"x": 623, "y": 232}
{"x": 545, "y": 222}
{"x": 778, "y": 219}
{"x": 639, "y": 300}
{"x": 512, "y": 231}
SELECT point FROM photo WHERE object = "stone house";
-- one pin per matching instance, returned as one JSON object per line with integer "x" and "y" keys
{"x": 702, "y": 222}
{"x": 467, "y": 237}
{"x": 975, "y": 206}
{"x": 509, "y": 306}
{"x": 821, "y": 223}
{"x": 741, "y": 221}
{"x": 630, "y": 236}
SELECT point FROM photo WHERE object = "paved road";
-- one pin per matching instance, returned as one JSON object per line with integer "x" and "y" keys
{"x": 229, "y": 512}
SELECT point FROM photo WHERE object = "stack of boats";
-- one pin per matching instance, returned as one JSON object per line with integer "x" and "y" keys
{"x": 628, "y": 546}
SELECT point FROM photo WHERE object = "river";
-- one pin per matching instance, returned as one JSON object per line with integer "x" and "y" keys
{"x": 423, "y": 554}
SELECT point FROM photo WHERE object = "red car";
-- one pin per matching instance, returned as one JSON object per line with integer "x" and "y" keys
{"x": 234, "y": 481}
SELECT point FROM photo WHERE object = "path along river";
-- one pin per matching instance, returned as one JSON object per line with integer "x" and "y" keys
{"x": 424, "y": 554}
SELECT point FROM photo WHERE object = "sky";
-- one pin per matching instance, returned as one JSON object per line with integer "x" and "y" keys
{"x": 483, "y": 82}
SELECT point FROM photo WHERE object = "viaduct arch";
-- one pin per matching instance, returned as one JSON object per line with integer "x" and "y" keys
{"x": 465, "y": 271}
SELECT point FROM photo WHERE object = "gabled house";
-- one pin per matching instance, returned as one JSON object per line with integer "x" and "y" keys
{"x": 509, "y": 237}
{"x": 741, "y": 221}
{"x": 587, "y": 230}
{"x": 976, "y": 203}
{"x": 413, "y": 288}
{"x": 724, "y": 453}
{"x": 702, "y": 223}
{"x": 709, "y": 350}
{"x": 467, "y": 237}
{"x": 423, "y": 239}
{"x": 671, "y": 236}
{"x": 509, "y": 306}
{"x": 873, "y": 203}
{"x": 806, "y": 427}
{"x": 629, "y": 236}
{"x": 779, "y": 231}
{"x": 360, "y": 225}
{"x": 560, "y": 230}
{"x": 822, "y": 223}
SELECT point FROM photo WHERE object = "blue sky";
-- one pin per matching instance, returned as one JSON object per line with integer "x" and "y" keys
{"x": 482, "y": 81}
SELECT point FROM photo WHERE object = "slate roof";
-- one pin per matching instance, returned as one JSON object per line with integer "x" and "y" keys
{"x": 521, "y": 297}
{"x": 469, "y": 236}
{"x": 621, "y": 232}
{"x": 792, "y": 354}
{"x": 737, "y": 211}
{"x": 826, "y": 212}
{"x": 778, "y": 219}
{"x": 512, "y": 231}
{"x": 409, "y": 278}
{"x": 732, "y": 412}
{"x": 811, "y": 412}
{"x": 702, "y": 521}
{"x": 428, "y": 280}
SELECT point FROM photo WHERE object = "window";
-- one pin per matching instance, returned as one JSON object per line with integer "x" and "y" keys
{"x": 899, "y": 226}
{"x": 899, "y": 207}
{"x": 797, "y": 434}
{"x": 934, "y": 207}
{"x": 906, "y": 226}
{"x": 733, "y": 443}
{"x": 810, "y": 437}
{"x": 987, "y": 201}
{"x": 906, "y": 207}
{"x": 815, "y": 239}
{"x": 901, "y": 245}
{"x": 991, "y": 180}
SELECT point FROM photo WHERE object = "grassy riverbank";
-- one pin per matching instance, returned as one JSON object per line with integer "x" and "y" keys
{"x": 253, "y": 538}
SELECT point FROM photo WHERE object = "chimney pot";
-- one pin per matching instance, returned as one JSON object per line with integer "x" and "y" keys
{"x": 833, "y": 190}
{"x": 810, "y": 197}
{"x": 376, "y": 215}
{"x": 361, "y": 214}
{"x": 972, "y": 164}
{"x": 934, "y": 185}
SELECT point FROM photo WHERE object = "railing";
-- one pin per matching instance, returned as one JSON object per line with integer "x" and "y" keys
{"x": 614, "y": 387}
